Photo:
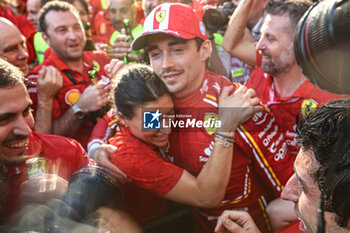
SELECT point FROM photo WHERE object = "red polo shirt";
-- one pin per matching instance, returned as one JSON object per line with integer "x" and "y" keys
{"x": 74, "y": 84}
{"x": 303, "y": 101}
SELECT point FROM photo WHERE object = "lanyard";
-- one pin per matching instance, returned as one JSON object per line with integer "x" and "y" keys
{"x": 70, "y": 77}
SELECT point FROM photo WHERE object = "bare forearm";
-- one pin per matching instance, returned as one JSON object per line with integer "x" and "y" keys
{"x": 67, "y": 125}
{"x": 237, "y": 24}
{"x": 234, "y": 40}
{"x": 216, "y": 65}
{"x": 213, "y": 179}
{"x": 43, "y": 117}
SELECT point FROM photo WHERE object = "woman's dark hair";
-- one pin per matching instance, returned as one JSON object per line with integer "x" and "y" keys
{"x": 326, "y": 132}
{"x": 136, "y": 85}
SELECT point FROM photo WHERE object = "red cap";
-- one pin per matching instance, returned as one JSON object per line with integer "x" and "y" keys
{"x": 175, "y": 19}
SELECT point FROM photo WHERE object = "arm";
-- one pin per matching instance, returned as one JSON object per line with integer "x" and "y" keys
{"x": 235, "y": 42}
{"x": 68, "y": 123}
{"x": 208, "y": 189}
{"x": 281, "y": 213}
{"x": 49, "y": 82}
{"x": 215, "y": 62}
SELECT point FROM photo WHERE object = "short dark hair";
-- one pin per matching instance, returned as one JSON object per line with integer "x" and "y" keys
{"x": 326, "y": 132}
{"x": 294, "y": 8}
{"x": 54, "y": 6}
{"x": 136, "y": 85}
{"x": 82, "y": 2}
{"x": 10, "y": 75}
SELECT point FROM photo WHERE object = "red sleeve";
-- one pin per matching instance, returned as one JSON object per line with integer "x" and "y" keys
{"x": 100, "y": 128}
{"x": 147, "y": 169}
{"x": 262, "y": 138}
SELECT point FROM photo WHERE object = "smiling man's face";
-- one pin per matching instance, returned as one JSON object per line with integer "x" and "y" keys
{"x": 16, "y": 123}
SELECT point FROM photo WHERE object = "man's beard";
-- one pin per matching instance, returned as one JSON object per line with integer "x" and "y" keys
{"x": 277, "y": 65}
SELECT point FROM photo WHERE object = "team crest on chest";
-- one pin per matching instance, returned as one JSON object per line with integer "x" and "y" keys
{"x": 160, "y": 16}
{"x": 211, "y": 119}
{"x": 72, "y": 96}
{"x": 308, "y": 106}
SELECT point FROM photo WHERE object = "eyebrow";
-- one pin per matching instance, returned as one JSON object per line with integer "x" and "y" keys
{"x": 301, "y": 181}
{"x": 171, "y": 43}
{"x": 14, "y": 114}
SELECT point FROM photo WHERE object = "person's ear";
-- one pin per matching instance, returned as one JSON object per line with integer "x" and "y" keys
{"x": 122, "y": 119}
{"x": 46, "y": 39}
{"x": 205, "y": 50}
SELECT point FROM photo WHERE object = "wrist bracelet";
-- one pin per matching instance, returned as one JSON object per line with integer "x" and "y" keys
{"x": 229, "y": 138}
{"x": 225, "y": 143}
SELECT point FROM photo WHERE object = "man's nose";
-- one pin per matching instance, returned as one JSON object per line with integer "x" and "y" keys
{"x": 21, "y": 127}
{"x": 167, "y": 61}
{"x": 292, "y": 190}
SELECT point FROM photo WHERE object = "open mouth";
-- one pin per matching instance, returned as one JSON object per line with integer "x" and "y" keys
{"x": 16, "y": 147}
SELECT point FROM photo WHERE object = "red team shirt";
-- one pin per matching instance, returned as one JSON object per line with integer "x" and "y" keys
{"x": 258, "y": 144}
{"x": 144, "y": 165}
{"x": 304, "y": 100}
{"x": 63, "y": 156}
{"x": 72, "y": 87}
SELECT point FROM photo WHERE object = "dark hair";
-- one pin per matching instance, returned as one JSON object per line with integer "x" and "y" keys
{"x": 54, "y": 6}
{"x": 136, "y": 85}
{"x": 294, "y": 8}
{"x": 82, "y": 2}
{"x": 199, "y": 42}
{"x": 326, "y": 132}
{"x": 10, "y": 75}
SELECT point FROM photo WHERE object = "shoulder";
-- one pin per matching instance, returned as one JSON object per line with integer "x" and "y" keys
{"x": 216, "y": 82}
{"x": 127, "y": 143}
{"x": 96, "y": 56}
{"x": 322, "y": 96}
{"x": 58, "y": 145}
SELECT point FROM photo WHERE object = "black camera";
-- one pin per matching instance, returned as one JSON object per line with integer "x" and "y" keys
{"x": 322, "y": 45}
{"x": 88, "y": 189}
{"x": 215, "y": 18}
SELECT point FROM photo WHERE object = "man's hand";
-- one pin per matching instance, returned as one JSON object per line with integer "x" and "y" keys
{"x": 101, "y": 157}
{"x": 113, "y": 67}
{"x": 121, "y": 47}
{"x": 93, "y": 98}
{"x": 49, "y": 81}
{"x": 237, "y": 108}
{"x": 236, "y": 221}
{"x": 43, "y": 188}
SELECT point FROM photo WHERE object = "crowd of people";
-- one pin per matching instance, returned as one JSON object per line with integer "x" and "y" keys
{"x": 224, "y": 122}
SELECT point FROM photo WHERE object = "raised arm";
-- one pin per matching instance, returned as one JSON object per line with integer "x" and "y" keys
{"x": 235, "y": 41}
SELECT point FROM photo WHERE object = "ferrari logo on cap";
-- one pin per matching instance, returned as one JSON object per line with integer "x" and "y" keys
{"x": 308, "y": 106}
{"x": 72, "y": 96}
{"x": 160, "y": 16}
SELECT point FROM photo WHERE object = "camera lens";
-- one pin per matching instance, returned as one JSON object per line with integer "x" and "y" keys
{"x": 90, "y": 188}
{"x": 322, "y": 45}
